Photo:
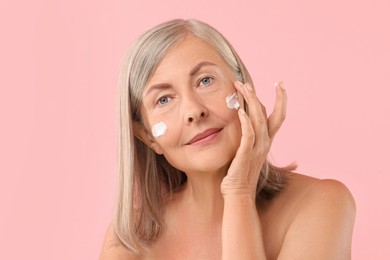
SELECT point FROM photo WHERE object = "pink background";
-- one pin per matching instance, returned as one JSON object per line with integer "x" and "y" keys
{"x": 59, "y": 64}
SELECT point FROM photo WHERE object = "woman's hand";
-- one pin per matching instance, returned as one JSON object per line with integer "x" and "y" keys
{"x": 258, "y": 132}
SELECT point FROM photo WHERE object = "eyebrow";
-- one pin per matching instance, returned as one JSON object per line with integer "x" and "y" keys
{"x": 157, "y": 87}
{"x": 193, "y": 71}
{"x": 199, "y": 66}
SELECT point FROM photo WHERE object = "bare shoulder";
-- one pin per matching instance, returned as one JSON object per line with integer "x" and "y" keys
{"x": 332, "y": 191}
{"x": 323, "y": 218}
{"x": 113, "y": 249}
{"x": 324, "y": 192}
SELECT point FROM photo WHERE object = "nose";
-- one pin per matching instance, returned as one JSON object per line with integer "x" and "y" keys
{"x": 194, "y": 109}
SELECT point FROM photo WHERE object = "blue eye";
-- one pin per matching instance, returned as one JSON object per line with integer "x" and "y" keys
{"x": 205, "y": 81}
{"x": 163, "y": 100}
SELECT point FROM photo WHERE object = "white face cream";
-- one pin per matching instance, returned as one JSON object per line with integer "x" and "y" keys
{"x": 232, "y": 101}
{"x": 159, "y": 129}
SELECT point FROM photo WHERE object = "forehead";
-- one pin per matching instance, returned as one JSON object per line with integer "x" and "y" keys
{"x": 184, "y": 56}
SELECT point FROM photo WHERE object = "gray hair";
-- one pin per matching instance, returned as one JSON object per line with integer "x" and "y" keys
{"x": 145, "y": 177}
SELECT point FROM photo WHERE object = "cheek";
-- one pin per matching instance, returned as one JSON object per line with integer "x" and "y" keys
{"x": 159, "y": 129}
{"x": 218, "y": 106}
{"x": 171, "y": 130}
{"x": 228, "y": 98}
{"x": 229, "y": 116}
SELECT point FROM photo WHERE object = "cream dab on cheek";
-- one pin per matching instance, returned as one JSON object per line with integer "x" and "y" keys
{"x": 159, "y": 129}
{"x": 232, "y": 101}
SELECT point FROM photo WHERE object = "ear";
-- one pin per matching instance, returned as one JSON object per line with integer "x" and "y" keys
{"x": 142, "y": 134}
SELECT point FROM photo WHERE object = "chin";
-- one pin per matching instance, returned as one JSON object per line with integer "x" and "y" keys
{"x": 208, "y": 163}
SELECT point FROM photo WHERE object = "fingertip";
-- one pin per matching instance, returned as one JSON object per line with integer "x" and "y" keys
{"x": 238, "y": 85}
{"x": 280, "y": 84}
{"x": 281, "y": 91}
{"x": 241, "y": 113}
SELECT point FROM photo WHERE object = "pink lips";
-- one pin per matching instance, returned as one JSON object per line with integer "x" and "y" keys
{"x": 204, "y": 135}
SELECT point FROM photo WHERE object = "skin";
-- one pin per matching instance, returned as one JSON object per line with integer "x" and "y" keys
{"x": 215, "y": 215}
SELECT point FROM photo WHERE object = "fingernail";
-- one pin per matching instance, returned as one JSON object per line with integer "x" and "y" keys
{"x": 280, "y": 84}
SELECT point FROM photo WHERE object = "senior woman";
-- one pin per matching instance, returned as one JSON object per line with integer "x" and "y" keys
{"x": 194, "y": 181}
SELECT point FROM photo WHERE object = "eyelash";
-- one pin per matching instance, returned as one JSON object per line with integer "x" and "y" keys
{"x": 207, "y": 77}
{"x": 169, "y": 98}
{"x": 159, "y": 99}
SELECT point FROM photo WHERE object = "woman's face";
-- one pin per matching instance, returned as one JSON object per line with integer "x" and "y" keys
{"x": 187, "y": 92}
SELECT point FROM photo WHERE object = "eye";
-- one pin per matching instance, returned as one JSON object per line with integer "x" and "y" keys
{"x": 204, "y": 82}
{"x": 163, "y": 100}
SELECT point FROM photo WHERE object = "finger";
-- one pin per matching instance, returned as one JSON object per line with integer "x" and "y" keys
{"x": 248, "y": 134}
{"x": 279, "y": 113}
{"x": 257, "y": 112}
{"x": 239, "y": 86}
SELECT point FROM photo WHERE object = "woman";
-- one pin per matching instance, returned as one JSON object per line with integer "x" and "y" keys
{"x": 194, "y": 181}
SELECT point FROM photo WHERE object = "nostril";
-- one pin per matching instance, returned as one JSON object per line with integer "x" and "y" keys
{"x": 192, "y": 118}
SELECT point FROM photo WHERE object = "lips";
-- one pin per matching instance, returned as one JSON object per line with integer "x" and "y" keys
{"x": 204, "y": 135}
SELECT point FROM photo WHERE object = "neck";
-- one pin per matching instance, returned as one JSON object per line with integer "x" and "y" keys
{"x": 203, "y": 194}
